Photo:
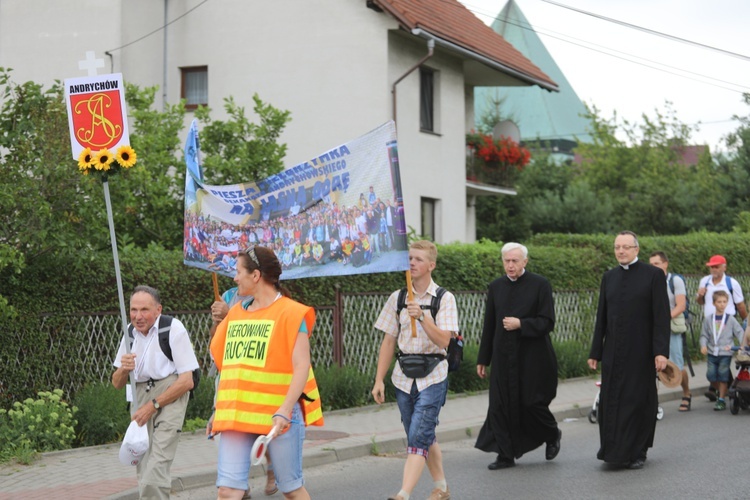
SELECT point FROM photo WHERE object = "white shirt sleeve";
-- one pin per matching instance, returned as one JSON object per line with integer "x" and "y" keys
{"x": 737, "y": 295}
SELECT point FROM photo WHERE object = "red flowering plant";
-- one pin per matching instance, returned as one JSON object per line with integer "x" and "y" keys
{"x": 494, "y": 161}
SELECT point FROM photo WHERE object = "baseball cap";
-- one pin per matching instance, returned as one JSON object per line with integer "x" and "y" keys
{"x": 716, "y": 260}
{"x": 134, "y": 445}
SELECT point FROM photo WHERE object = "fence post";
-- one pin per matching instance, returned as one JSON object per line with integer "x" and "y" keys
{"x": 338, "y": 328}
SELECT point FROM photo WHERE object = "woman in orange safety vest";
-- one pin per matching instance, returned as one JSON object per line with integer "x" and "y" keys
{"x": 262, "y": 350}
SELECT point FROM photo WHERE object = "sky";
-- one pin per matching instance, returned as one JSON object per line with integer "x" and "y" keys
{"x": 631, "y": 72}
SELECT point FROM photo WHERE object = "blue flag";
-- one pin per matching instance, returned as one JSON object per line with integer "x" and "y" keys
{"x": 193, "y": 163}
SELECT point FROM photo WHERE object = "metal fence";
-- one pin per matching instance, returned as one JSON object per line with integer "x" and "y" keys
{"x": 82, "y": 346}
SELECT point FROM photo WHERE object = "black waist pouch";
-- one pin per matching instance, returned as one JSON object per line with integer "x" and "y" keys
{"x": 418, "y": 365}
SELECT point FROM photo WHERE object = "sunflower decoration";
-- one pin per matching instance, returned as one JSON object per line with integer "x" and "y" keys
{"x": 126, "y": 156}
{"x": 105, "y": 162}
{"x": 85, "y": 161}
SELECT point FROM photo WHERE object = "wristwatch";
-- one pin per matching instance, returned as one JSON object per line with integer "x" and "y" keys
{"x": 421, "y": 317}
{"x": 156, "y": 404}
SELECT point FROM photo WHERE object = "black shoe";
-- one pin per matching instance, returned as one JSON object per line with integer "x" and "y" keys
{"x": 553, "y": 447}
{"x": 711, "y": 394}
{"x": 638, "y": 463}
{"x": 501, "y": 463}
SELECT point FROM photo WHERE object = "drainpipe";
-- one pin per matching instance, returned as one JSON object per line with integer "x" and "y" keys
{"x": 111, "y": 61}
{"x": 164, "y": 83}
{"x": 430, "y": 52}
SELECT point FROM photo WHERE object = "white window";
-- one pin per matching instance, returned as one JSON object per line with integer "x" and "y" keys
{"x": 194, "y": 86}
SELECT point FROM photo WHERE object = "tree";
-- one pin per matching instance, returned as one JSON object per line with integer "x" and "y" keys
{"x": 651, "y": 191}
{"x": 578, "y": 211}
{"x": 43, "y": 203}
{"x": 48, "y": 210}
{"x": 631, "y": 176}
{"x": 491, "y": 114}
{"x": 148, "y": 201}
{"x": 237, "y": 150}
{"x": 734, "y": 167}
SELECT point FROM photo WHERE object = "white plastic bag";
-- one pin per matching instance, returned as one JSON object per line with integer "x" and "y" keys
{"x": 134, "y": 445}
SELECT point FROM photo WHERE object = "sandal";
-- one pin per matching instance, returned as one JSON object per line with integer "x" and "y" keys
{"x": 685, "y": 405}
{"x": 271, "y": 487}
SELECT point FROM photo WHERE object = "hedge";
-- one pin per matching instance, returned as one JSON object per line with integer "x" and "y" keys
{"x": 86, "y": 283}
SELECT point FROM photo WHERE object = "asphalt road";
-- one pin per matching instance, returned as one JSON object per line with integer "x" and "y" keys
{"x": 700, "y": 454}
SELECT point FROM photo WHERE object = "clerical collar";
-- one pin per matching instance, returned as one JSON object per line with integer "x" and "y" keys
{"x": 627, "y": 266}
{"x": 514, "y": 280}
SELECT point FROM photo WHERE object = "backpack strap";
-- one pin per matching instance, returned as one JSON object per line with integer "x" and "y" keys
{"x": 400, "y": 302}
{"x": 670, "y": 282}
{"x": 165, "y": 324}
{"x": 435, "y": 303}
{"x": 131, "y": 335}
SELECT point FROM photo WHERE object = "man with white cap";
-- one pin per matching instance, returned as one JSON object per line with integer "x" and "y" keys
{"x": 719, "y": 280}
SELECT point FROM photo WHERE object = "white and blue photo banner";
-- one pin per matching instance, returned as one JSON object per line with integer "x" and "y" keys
{"x": 337, "y": 214}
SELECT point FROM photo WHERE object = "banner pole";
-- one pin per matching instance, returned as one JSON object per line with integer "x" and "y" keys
{"x": 217, "y": 295}
{"x": 410, "y": 297}
{"x": 120, "y": 293}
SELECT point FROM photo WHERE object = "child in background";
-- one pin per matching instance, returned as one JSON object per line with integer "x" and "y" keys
{"x": 716, "y": 342}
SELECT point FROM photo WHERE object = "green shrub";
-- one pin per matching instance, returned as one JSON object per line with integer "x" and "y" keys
{"x": 465, "y": 379}
{"x": 571, "y": 359}
{"x": 343, "y": 387}
{"x": 44, "y": 424}
{"x": 202, "y": 403}
{"x": 103, "y": 415}
{"x": 194, "y": 424}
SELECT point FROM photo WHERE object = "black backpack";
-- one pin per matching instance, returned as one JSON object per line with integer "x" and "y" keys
{"x": 456, "y": 345}
{"x": 165, "y": 324}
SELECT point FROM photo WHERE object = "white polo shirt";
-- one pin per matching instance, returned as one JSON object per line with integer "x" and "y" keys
{"x": 150, "y": 361}
{"x": 736, "y": 295}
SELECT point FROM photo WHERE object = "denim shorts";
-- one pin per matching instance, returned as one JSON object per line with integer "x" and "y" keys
{"x": 717, "y": 368}
{"x": 419, "y": 414}
{"x": 285, "y": 452}
{"x": 675, "y": 350}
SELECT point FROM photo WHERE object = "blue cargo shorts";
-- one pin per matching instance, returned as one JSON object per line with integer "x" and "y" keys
{"x": 419, "y": 414}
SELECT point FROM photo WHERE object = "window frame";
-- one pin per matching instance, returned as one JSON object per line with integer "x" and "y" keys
{"x": 427, "y": 93}
{"x": 184, "y": 71}
{"x": 432, "y": 204}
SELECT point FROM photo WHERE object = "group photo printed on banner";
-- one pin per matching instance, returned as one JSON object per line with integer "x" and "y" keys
{"x": 340, "y": 213}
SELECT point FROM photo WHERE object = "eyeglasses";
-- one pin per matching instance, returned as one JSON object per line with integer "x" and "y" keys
{"x": 625, "y": 247}
{"x": 251, "y": 253}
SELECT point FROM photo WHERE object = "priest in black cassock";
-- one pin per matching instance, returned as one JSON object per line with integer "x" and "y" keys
{"x": 631, "y": 339}
{"x": 519, "y": 317}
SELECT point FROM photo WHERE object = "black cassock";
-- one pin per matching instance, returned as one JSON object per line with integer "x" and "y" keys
{"x": 523, "y": 375}
{"x": 632, "y": 327}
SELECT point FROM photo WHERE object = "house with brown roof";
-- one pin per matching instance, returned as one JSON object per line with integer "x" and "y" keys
{"x": 342, "y": 67}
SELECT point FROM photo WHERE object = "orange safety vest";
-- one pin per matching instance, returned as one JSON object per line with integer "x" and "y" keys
{"x": 253, "y": 351}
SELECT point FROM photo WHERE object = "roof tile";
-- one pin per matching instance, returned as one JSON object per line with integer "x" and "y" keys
{"x": 451, "y": 21}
